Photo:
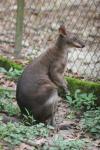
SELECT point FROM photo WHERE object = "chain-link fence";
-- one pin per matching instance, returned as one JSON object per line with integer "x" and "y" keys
{"x": 41, "y": 21}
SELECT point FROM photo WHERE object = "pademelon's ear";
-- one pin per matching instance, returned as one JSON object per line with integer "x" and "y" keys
{"x": 62, "y": 30}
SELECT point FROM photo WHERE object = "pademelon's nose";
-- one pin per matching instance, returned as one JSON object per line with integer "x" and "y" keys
{"x": 83, "y": 45}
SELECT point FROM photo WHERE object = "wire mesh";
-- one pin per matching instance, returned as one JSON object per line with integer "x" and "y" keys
{"x": 41, "y": 21}
{"x": 7, "y": 24}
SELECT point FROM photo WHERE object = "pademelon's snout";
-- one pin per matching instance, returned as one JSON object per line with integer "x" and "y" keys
{"x": 83, "y": 45}
{"x": 79, "y": 44}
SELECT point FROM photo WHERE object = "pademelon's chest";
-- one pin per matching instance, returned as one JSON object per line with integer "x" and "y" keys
{"x": 61, "y": 64}
{"x": 63, "y": 60}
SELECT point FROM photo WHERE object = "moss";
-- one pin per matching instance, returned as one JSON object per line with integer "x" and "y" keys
{"x": 84, "y": 86}
{"x": 7, "y": 63}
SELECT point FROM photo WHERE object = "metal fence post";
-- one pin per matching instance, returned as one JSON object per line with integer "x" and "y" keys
{"x": 19, "y": 26}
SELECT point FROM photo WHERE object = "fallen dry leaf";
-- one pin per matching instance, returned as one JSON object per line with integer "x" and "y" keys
{"x": 40, "y": 141}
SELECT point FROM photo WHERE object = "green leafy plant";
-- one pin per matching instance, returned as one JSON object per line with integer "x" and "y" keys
{"x": 28, "y": 119}
{"x": 15, "y": 133}
{"x": 61, "y": 144}
{"x": 81, "y": 101}
{"x": 6, "y": 103}
{"x": 11, "y": 108}
{"x": 8, "y": 63}
{"x": 3, "y": 70}
{"x": 1, "y": 147}
{"x": 14, "y": 73}
{"x": 11, "y": 73}
{"x": 91, "y": 122}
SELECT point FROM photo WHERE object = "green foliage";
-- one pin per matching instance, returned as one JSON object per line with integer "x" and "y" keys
{"x": 6, "y": 103}
{"x": 91, "y": 122}
{"x": 84, "y": 86}
{"x": 81, "y": 101}
{"x": 17, "y": 133}
{"x": 3, "y": 70}
{"x": 60, "y": 144}
{"x": 1, "y": 147}
{"x": 10, "y": 68}
{"x": 11, "y": 73}
{"x": 7, "y": 64}
{"x": 28, "y": 119}
{"x": 14, "y": 73}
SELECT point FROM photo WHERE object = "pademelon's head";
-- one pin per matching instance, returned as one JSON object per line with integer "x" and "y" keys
{"x": 70, "y": 39}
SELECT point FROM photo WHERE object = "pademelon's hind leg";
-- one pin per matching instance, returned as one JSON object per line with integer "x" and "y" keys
{"x": 51, "y": 121}
{"x": 52, "y": 103}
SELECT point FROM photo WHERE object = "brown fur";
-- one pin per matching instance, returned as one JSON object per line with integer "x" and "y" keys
{"x": 37, "y": 89}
